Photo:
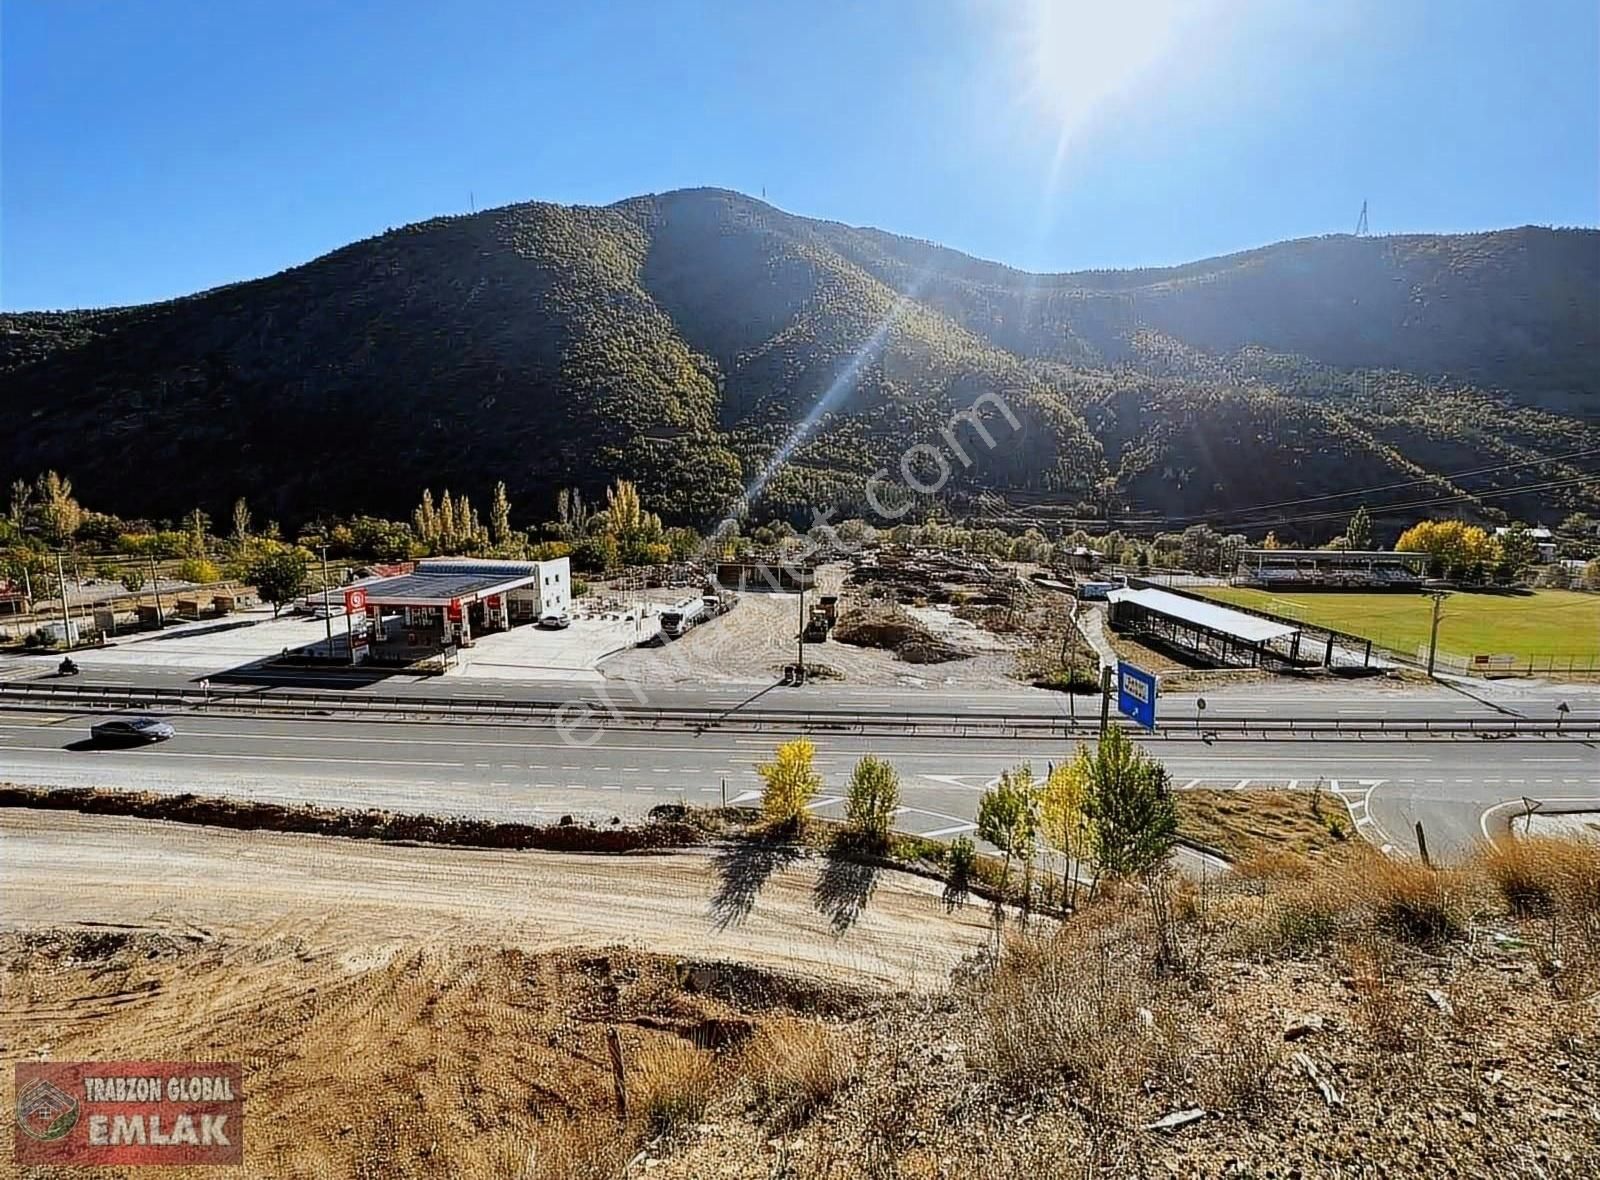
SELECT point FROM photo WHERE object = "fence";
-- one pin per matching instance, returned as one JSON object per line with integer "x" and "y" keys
{"x": 1491, "y": 666}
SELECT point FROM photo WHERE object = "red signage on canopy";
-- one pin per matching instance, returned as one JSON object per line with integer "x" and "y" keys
{"x": 455, "y": 609}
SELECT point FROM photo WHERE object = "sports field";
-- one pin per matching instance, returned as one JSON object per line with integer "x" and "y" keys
{"x": 1539, "y": 626}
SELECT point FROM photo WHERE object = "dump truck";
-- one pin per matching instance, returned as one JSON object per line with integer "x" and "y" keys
{"x": 821, "y": 619}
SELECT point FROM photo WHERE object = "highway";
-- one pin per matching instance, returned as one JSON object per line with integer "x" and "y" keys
{"x": 536, "y": 774}
{"x": 1280, "y": 699}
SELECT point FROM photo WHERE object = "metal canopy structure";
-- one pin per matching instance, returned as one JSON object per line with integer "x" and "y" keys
{"x": 1205, "y": 628}
{"x": 443, "y": 588}
{"x": 1207, "y": 616}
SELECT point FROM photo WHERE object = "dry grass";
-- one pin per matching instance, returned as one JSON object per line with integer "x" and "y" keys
{"x": 1241, "y": 1072}
{"x": 796, "y": 1068}
{"x": 1540, "y": 875}
{"x": 577, "y": 1149}
{"x": 1076, "y": 1004}
{"x": 672, "y": 1085}
{"x": 1418, "y": 905}
{"x": 1244, "y": 824}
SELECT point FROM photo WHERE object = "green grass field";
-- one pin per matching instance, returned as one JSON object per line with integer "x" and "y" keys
{"x": 1540, "y": 626}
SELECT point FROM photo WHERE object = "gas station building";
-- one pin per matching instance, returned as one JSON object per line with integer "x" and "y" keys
{"x": 445, "y": 601}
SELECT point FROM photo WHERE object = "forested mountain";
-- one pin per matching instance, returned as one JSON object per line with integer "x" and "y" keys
{"x": 679, "y": 339}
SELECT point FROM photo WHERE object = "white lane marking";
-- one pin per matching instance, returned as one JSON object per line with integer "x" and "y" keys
{"x": 1192, "y": 784}
{"x": 1483, "y": 819}
{"x": 744, "y": 797}
{"x": 1243, "y": 783}
{"x": 950, "y": 831}
{"x": 825, "y": 801}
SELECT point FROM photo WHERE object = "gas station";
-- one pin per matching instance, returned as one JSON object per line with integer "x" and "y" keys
{"x": 445, "y": 602}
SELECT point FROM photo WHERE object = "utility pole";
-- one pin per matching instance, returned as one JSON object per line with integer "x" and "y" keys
{"x": 1105, "y": 699}
{"x": 155, "y": 589}
{"x": 1438, "y": 597}
{"x": 327, "y": 616}
{"x": 77, "y": 580}
{"x": 800, "y": 635}
{"x": 61, "y": 584}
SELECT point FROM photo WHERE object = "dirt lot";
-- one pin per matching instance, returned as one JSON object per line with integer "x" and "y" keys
{"x": 343, "y": 894}
{"x": 752, "y": 643}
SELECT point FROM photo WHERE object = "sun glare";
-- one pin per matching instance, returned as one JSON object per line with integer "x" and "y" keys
{"x": 1076, "y": 55}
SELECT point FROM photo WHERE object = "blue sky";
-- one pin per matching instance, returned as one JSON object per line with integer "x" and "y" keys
{"x": 152, "y": 148}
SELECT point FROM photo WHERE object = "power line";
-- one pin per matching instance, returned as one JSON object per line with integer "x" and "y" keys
{"x": 1385, "y": 508}
{"x": 1406, "y": 483}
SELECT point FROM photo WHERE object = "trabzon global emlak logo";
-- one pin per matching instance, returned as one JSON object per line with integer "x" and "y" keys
{"x": 46, "y": 1112}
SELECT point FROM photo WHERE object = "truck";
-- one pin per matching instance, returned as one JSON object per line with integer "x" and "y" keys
{"x": 678, "y": 619}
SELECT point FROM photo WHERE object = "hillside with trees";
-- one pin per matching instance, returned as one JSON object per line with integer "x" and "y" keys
{"x": 678, "y": 340}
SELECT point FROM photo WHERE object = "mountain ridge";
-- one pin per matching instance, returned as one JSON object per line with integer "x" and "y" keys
{"x": 678, "y": 338}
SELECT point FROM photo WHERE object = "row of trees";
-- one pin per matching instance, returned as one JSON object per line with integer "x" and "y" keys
{"x": 45, "y": 514}
{"x": 1111, "y": 807}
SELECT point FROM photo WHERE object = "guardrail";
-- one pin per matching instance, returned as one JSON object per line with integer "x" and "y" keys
{"x": 590, "y": 714}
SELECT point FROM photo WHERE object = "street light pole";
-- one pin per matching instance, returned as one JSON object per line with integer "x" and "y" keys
{"x": 327, "y": 615}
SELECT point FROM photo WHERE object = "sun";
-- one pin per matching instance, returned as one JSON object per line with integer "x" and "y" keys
{"x": 1073, "y": 57}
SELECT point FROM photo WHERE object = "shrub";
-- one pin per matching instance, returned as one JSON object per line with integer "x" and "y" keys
{"x": 1240, "y": 1077}
{"x": 796, "y": 1069}
{"x": 874, "y": 796}
{"x": 961, "y": 861}
{"x": 673, "y": 1086}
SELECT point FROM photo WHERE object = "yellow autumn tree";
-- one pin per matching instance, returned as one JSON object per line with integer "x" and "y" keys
{"x": 1063, "y": 819}
{"x": 1455, "y": 548}
{"x": 792, "y": 782}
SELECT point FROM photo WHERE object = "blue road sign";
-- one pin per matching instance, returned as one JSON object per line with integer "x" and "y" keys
{"x": 1136, "y": 695}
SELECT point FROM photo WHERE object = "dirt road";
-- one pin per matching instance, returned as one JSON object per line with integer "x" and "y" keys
{"x": 351, "y": 896}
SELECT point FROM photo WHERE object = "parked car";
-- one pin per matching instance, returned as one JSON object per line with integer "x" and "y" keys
{"x": 132, "y": 730}
{"x": 555, "y": 620}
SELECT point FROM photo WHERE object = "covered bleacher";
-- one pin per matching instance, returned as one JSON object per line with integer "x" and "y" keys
{"x": 1331, "y": 569}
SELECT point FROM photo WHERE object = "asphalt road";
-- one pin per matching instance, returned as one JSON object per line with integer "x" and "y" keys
{"x": 1453, "y": 785}
{"x": 1344, "y": 699}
